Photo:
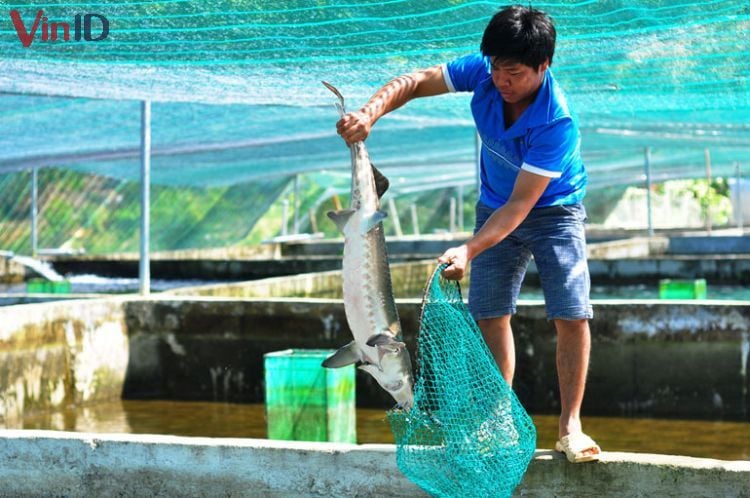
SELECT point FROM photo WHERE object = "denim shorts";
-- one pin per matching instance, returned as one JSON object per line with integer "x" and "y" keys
{"x": 555, "y": 237}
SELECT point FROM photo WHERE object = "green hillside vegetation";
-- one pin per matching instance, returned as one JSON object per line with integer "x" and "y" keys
{"x": 102, "y": 215}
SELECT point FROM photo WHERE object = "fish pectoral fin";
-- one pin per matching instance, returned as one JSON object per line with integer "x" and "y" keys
{"x": 341, "y": 217}
{"x": 385, "y": 344}
{"x": 381, "y": 181}
{"x": 375, "y": 220}
{"x": 384, "y": 340}
{"x": 346, "y": 355}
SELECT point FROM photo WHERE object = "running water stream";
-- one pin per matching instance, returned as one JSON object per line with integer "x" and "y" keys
{"x": 43, "y": 268}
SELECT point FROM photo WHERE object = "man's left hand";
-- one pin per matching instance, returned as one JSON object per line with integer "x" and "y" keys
{"x": 457, "y": 258}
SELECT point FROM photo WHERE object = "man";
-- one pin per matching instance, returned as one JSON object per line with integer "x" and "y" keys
{"x": 533, "y": 181}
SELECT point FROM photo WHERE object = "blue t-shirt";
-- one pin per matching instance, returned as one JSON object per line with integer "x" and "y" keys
{"x": 544, "y": 140}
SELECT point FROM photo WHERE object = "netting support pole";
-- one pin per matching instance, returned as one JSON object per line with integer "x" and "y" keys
{"x": 144, "y": 267}
{"x": 738, "y": 182}
{"x": 460, "y": 208}
{"x": 285, "y": 217}
{"x": 647, "y": 168}
{"x": 414, "y": 219}
{"x": 313, "y": 222}
{"x": 296, "y": 204}
{"x": 707, "y": 157}
{"x": 394, "y": 217}
{"x": 34, "y": 210}
{"x": 478, "y": 162}
{"x": 452, "y": 216}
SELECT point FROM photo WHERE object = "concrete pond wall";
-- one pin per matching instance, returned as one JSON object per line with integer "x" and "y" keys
{"x": 411, "y": 275}
{"x": 682, "y": 359}
{"x": 58, "y": 354}
{"x": 650, "y": 357}
{"x": 43, "y": 463}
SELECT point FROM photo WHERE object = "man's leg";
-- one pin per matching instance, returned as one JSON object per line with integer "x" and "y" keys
{"x": 499, "y": 338}
{"x": 496, "y": 276}
{"x": 573, "y": 349}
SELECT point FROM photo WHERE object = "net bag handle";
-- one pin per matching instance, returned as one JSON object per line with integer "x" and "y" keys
{"x": 439, "y": 288}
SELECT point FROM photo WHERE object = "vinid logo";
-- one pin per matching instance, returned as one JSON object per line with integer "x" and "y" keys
{"x": 53, "y": 31}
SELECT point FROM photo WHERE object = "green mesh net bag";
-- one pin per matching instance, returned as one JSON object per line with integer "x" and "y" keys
{"x": 467, "y": 434}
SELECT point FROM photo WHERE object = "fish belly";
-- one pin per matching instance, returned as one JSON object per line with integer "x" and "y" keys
{"x": 365, "y": 299}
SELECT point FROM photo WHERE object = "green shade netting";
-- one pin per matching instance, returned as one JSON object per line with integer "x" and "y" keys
{"x": 467, "y": 434}
{"x": 672, "y": 75}
{"x": 237, "y": 100}
{"x": 102, "y": 214}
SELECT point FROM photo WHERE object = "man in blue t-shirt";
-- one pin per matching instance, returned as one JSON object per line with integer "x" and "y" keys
{"x": 532, "y": 184}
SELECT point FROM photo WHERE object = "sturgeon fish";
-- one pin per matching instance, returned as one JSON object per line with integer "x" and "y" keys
{"x": 370, "y": 309}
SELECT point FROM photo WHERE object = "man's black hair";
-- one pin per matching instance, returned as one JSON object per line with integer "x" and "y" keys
{"x": 520, "y": 34}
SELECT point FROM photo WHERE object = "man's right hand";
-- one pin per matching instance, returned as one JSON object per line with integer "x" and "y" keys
{"x": 354, "y": 127}
{"x": 457, "y": 259}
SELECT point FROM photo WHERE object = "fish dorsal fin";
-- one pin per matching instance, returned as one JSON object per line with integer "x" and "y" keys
{"x": 345, "y": 355}
{"x": 375, "y": 219}
{"x": 341, "y": 217}
{"x": 381, "y": 181}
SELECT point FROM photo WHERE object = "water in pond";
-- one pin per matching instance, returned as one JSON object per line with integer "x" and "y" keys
{"x": 709, "y": 439}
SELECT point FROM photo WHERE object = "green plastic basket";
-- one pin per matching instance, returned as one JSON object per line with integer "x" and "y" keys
{"x": 682, "y": 289}
{"x": 306, "y": 402}
{"x": 42, "y": 286}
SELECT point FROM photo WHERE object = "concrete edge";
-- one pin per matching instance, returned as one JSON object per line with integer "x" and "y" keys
{"x": 192, "y": 440}
{"x": 36, "y": 462}
{"x": 540, "y": 454}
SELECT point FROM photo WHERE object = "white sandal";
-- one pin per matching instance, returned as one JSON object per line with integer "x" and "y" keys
{"x": 575, "y": 446}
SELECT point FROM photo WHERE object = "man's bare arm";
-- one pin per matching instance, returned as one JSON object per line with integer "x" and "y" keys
{"x": 356, "y": 126}
{"x": 527, "y": 190}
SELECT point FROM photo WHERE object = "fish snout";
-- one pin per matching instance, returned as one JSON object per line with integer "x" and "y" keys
{"x": 402, "y": 390}
{"x": 404, "y": 396}
{"x": 394, "y": 375}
